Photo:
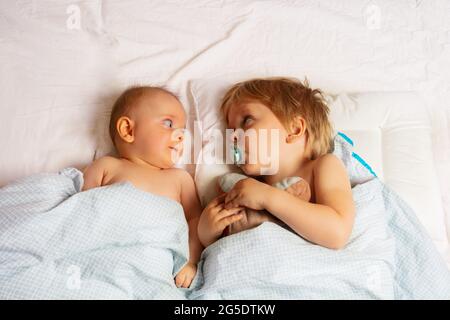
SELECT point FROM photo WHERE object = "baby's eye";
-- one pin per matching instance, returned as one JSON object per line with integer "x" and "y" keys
{"x": 168, "y": 123}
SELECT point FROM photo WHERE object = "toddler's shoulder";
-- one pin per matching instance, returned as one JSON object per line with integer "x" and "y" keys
{"x": 330, "y": 172}
{"x": 327, "y": 162}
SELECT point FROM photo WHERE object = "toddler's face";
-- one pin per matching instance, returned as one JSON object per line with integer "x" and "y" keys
{"x": 261, "y": 151}
{"x": 159, "y": 129}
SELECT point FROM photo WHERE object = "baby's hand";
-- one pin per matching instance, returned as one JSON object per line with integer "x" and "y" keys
{"x": 184, "y": 278}
{"x": 215, "y": 218}
{"x": 301, "y": 190}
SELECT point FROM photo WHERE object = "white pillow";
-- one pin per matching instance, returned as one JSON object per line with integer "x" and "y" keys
{"x": 390, "y": 131}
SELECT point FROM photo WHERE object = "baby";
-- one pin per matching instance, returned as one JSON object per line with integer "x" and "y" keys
{"x": 147, "y": 128}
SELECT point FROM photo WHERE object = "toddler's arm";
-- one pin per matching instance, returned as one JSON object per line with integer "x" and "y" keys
{"x": 329, "y": 221}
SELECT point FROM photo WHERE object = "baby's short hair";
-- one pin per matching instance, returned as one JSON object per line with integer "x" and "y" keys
{"x": 127, "y": 101}
{"x": 287, "y": 98}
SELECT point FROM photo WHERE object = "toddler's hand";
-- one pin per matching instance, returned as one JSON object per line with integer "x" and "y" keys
{"x": 184, "y": 278}
{"x": 249, "y": 193}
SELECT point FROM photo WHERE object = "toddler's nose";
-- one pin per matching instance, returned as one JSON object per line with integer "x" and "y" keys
{"x": 233, "y": 137}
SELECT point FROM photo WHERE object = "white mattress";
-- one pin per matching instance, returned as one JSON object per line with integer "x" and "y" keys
{"x": 58, "y": 82}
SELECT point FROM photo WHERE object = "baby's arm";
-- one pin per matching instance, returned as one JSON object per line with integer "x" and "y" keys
{"x": 94, "y": 173}
{"x": 192, "y": 211}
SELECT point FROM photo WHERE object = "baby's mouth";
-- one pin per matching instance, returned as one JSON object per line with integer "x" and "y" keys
{"x": 175, "y": 149}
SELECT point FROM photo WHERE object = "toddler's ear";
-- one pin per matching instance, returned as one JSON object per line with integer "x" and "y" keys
{"x": 296, "y": 129}
{"x": 125, "y": 129}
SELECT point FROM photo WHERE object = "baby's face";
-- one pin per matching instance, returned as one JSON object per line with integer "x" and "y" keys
{"x": 159, "y": 129}
{"x": 260, "y": 151}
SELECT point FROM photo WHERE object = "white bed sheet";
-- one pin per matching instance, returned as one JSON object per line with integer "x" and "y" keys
{"x": 58, "y": 81}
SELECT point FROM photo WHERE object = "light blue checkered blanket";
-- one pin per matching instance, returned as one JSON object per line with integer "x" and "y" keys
{"x": 389, "y": 255}
{"x": 113, "y": 242}
{"x": 117, "y": 242}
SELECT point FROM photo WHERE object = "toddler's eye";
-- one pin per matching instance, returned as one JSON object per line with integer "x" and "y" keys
{"x": 168, "y": 123}
{"x": 247, "y": 121}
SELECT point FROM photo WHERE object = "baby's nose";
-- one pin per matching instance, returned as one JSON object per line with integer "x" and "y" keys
{"x": 179, "y": 135}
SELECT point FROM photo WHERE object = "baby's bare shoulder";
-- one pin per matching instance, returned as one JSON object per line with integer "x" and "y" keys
{"x": 107, "y": 162}
{"x": 104, "y": 165}
{"x": 181, "y": 175}
{"x": 94, "y": 174}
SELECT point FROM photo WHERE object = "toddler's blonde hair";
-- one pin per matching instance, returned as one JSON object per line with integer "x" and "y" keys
{"x": 287, "y": 98}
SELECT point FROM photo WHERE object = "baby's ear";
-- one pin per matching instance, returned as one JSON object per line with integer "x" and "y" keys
{"x": 125, "y": 129}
